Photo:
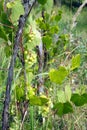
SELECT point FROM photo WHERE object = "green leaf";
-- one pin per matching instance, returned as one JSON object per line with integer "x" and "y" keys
{"x": 64, "y": 38}
{"x": 58, "y": 76}
{"x": 61, "y": 96}
{"x": 67, "y": 108}
{"x": 16, "y": 11}
{"x": 54, "y": 29}
{"x": 58, "y": 16}
{"x": 3, "y": 34}
{"x": 84, "y": 96}
{"x": 48, "y": 6}
{"x": 30, "y": 76}
{"x": 31, "y": 92}
{"x": 10, "y": 4}
{"x": 42, "y": 1}
{"x": 7, "y": 25}
{"x": 41, "y": 24}
{"x": 75, "y": 62}
{"x": 8, "y": 51}
{"x": 68, "y": 92}
{"x": 47, "y": 40}
{"x": 19, "y": 93}
{"x": 79, "y": 100}
{"x": 34, "y": 100}
{"x": 38, "y": 100}
{"x": 1, "y": 5}
{"x": 63, "y": 108}
{"x": 59, "y": 108}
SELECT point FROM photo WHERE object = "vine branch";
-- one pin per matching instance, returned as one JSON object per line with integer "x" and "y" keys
{"x": 77, "y": 14}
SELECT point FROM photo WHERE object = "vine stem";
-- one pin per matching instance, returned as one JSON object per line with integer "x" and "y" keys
{"x": 6, "y": 25}
{"x": 70, "y": 54}
{"x": 21, "y": 125}
{"x": 77, "y": 14}
{"x": 22, "y": 20}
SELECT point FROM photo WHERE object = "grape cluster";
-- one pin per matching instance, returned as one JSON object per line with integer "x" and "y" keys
{"x": 31, "y": 37}
{"x": 30, "y": 57}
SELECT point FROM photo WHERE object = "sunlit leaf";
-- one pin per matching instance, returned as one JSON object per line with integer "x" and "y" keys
{"x": 54, "y": 29}
{"x": 10, "y": 4}
{"x": 31, "y": 92}
{"x": 38, "y": 100}
{"x": 16, "y": 11}
{"x": 75, "y": 62}
{"x": 68, "y": 92}
{"x": 61, "y": 96}
{"x": 58, "y": 76}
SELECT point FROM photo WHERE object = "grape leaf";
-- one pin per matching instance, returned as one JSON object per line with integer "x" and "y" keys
{"x": 75, "y": 62}
{"x": 38, "y": 100}
{"x": 58, "y": 76}
{"x": 3, "y": 34}
{"x": 79, "y": 100}
{"x": 63, "y": 108}
{"x": 16, "y": 11}
{"x": 42, "y": 1}
{"x": 68, "y": 92}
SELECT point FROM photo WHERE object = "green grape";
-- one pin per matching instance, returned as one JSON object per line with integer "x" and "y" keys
{"x": 25, "y": 52}
{"x": 26, "y": 60}
{"x": 30, "y": 57}
{"x": 30, "y": 62}
{"x": 30, "y": 40}
{"x": 32, "y": 35}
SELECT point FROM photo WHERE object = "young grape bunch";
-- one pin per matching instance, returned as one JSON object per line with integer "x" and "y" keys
{"x": 30, "y": 57}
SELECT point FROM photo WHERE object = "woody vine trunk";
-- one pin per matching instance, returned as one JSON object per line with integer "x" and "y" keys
{"x": 22, "y": 20}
